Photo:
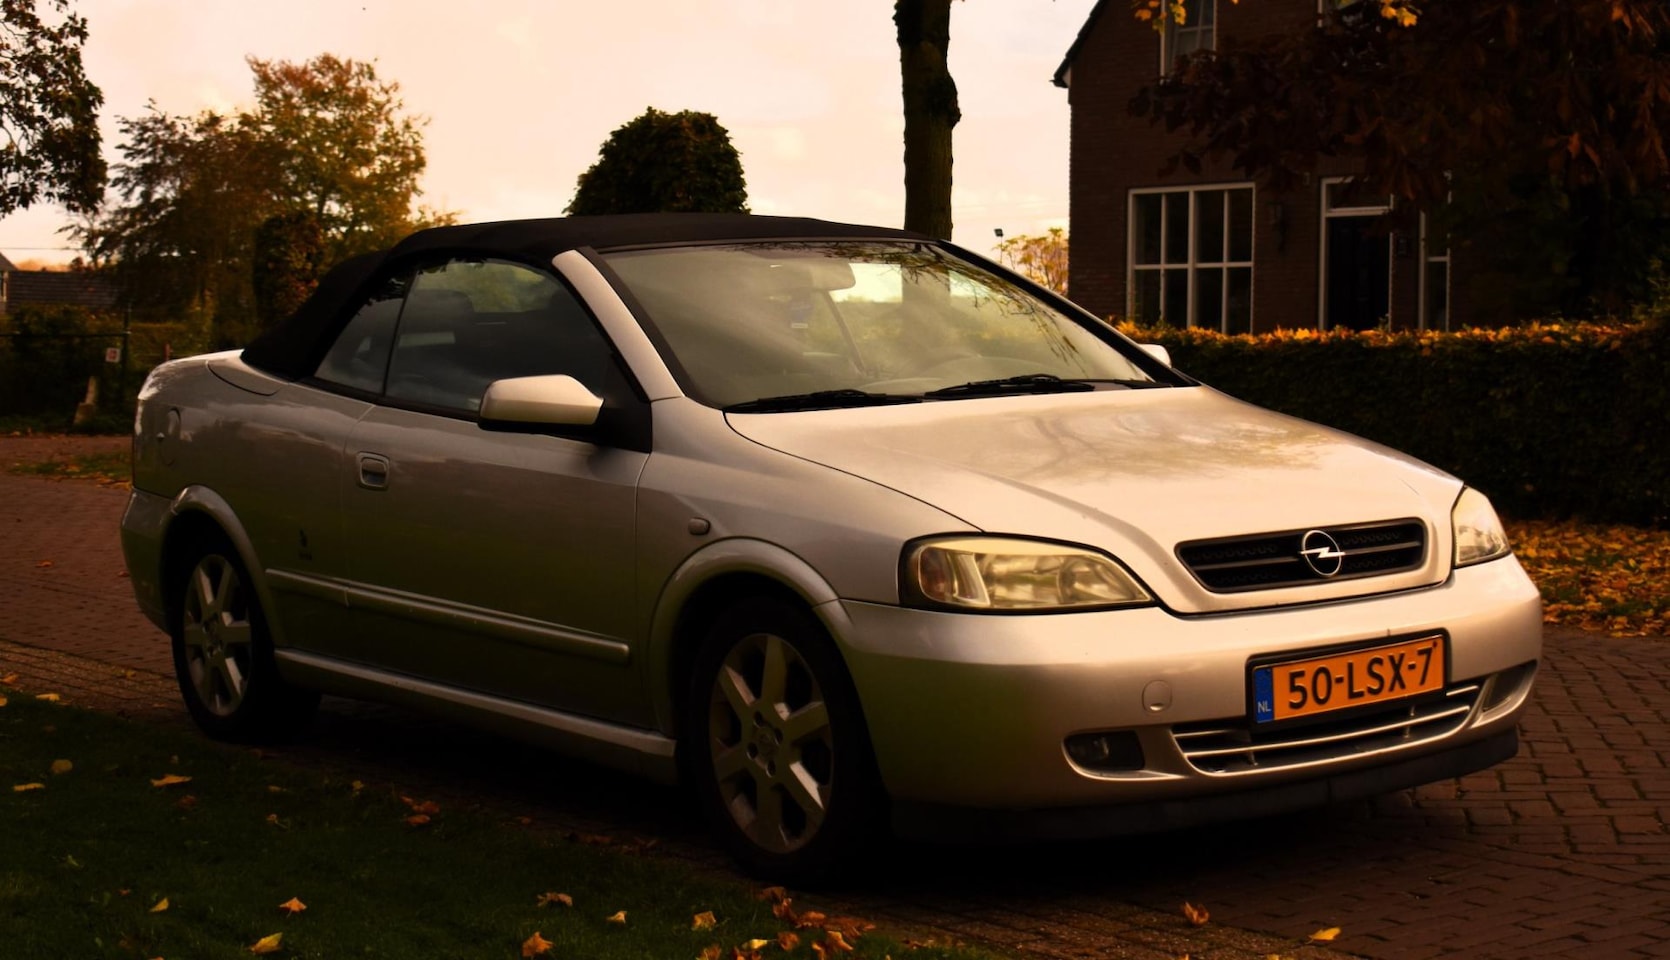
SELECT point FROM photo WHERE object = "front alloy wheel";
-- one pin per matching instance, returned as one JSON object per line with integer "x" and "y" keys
{"x": 776, "y": 745}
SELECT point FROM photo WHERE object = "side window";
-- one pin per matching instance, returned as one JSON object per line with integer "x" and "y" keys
{"x": 360, "y": 356}
{"x": 468, "y": 323}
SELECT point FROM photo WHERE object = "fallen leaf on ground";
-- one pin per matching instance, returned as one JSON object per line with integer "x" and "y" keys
{"x": 357, "y": 786}
{"x": 61, "y": 767}
{"x": 788, "y": 940}
{"x": 703, "y": 921}
{"x": 271, "y": 788}
{"x": 48, "y": 697}
{"x": 425, "y": 807}
{"x": 292, "y": 906}
{"x": 267, "y": 944}
{"x": 810, "y": 918}
{"x": 833, "y": 940}
{"x": 784, "y": 910}
{"x": 1197, "y": 915}
{"x": 535, "y": 945}
{"x": 546, "y": 899}
{"x": 710, "y": 952}
{"x": 774, "y": 894}
{"x": 26, "y": 787}
{"x": 186, "y": 802}
{"x": 45, "y": 563}
{"x": 159, "y": 906}
{"x": 2, "y": 701}
{"x": 755, "y": 945}
{"x": 619, "y": 917}
{"x": 850, "y": 927}
{"x": 9, "y": 679}
{"x": 417, "y": 820}
{"x": 1325, "y": 935}
{"x": 169, "y": 780}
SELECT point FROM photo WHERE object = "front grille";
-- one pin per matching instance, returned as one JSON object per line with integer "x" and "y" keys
{"x": 1229, "y": 747}
{"x": 1265, "y": 561}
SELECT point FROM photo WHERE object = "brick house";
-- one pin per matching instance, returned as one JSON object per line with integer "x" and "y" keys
{"x": 80, "y": 288}
{"x": 1215, "y": 249}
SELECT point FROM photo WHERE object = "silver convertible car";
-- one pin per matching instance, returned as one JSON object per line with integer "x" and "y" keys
{"x": 845, "y": 527}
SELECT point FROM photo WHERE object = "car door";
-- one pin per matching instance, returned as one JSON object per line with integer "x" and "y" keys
{"x": 488, "y": 559}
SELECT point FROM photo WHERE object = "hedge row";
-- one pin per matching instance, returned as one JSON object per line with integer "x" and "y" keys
{"x": 47, "y": 355}
{"x": 1549, "y": 420}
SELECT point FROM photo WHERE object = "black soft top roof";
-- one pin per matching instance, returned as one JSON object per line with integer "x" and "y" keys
{"x": 293, "y": 347}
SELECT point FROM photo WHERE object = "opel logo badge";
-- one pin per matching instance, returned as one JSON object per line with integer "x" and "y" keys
{"x": 1322, "y": 553}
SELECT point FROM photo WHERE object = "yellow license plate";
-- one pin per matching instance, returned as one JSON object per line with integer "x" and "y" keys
{"x": 1340, "y": 681}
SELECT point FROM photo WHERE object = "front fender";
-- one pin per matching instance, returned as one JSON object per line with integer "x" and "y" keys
{"x": 731, "y": 556}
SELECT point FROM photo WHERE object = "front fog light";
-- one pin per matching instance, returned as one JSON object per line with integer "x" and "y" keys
{"x": 1108, "y": 752}
{"x": 1478, "y": 533}
{"x": 1002, "y": 574}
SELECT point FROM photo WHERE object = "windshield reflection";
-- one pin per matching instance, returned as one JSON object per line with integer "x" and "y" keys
{"x": 753, "y": 321}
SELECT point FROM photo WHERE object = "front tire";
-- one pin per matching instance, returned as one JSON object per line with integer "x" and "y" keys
{"x": 223, "y": 653}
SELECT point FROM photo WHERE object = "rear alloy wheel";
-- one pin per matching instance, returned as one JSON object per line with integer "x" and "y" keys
{"x": 223, "y": 654}
{"x": 778, "y": 746}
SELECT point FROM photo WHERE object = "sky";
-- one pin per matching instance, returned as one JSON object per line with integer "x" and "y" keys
{"x": 519, "y": 94}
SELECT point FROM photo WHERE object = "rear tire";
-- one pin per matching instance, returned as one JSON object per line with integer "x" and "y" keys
{"x": 775, "y": 745}
{"x": 223, "y": 652}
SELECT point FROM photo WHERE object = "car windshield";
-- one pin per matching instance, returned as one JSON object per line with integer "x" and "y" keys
{"x": 806, "y": 324}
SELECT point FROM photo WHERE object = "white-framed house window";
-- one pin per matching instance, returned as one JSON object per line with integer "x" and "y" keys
{"x": 1435, "y": 282}
{"x": 1355, "y": 259}
{"x": 1190, "y": 261}
{"x": 1198, "y": 31}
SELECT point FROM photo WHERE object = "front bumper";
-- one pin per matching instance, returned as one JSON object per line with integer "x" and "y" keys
{"x": 144, "y": 524}
{"x": 970, "y": 711}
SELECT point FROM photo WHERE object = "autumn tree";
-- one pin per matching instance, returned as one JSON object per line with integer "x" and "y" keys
{"x": 1534, "y": 130}
{"x": 931, "y": 111}
{"x": 48, "y": 110}
{"x": 674, "y": 162}
{"x": 1041, "y": 258}
{"x": 326, "y": 160}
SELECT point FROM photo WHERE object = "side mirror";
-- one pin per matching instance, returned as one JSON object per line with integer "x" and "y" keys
{"x": 556, "y": 400}
{"x": 1157, "y": 352}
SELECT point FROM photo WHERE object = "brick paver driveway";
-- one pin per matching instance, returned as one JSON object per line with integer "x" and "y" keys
{"x": 1560, "y": 852}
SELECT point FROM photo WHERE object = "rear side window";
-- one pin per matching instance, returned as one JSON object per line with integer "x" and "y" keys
{"x": 359, "y": 358}
{"x": 467, "y": 323}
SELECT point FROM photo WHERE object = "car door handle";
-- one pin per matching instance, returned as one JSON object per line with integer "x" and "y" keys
{"x": 374, "y": 471}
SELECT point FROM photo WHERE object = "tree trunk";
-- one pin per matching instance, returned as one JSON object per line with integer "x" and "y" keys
{"x": 930, "y": 112}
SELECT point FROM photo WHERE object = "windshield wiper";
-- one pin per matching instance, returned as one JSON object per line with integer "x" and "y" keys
{"x": 1033, "y": 383}
{"x": 821, "y": 400}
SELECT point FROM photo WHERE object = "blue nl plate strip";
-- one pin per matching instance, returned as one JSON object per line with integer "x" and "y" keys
{"x": 1264, "y": 700}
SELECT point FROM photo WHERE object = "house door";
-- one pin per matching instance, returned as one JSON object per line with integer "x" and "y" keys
{"x": 1357, "y": 291}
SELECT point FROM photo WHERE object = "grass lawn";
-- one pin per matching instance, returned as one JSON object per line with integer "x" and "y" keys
{"x": 1594, "y": 576}
{"x": 106, "y": 856}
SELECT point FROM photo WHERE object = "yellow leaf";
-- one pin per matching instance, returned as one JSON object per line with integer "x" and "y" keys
{"x": 1325, "y": 935}
{"x": 3, "y": 701}
{"x": 169, "y": 780}
{"x": 1197, "y": 915}
{"x": 9, "y": 679}
{"x": 618, "y": 917}
{"x": 755, "y": 945}
{"x": 292, "y": 906}
{"x": 60, "y": 767}
{"x": 48, "y": 697}
{"x": 160, "y": 906}
{"x": 546, "y": 899}
{"x": 833, "y": 940}
{"x": 703, "y": 921}
{"x": 535, "y": 945}
{"x": 710, "y": 952}
{"x": 26, "y": 787}
{"x": 267, "y": 944}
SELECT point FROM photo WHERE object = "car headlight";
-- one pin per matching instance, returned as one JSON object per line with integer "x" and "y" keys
{"x": 1002, "y": 574}
{"x": 1478, "y": 533}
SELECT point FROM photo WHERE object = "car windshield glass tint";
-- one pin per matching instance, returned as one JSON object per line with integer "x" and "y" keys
{"x": 760, "y": 320}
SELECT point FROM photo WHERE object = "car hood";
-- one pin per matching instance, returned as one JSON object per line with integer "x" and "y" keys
{"x": 1134, "y": 472}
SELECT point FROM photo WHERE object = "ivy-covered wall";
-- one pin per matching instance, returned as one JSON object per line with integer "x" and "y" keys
{"x": 1556, "y": 420}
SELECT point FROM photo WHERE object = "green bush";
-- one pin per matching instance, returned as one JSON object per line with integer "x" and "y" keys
{"x": 48, "y": 353}
{"x": 1549, "y": 420}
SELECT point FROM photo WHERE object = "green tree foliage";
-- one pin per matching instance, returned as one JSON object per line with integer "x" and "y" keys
{"x": 1545, "y": 120}
{"x": 326, "y": 159}
{"x": 289, "y": 257}
{"x": 931, "y": 111}
{"x": 675, "y": 162}
{"x": 48, "y": 110}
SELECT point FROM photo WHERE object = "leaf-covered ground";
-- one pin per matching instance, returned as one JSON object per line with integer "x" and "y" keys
{"x": 128, "y": 842}
{"x": 1598, "y": 577}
